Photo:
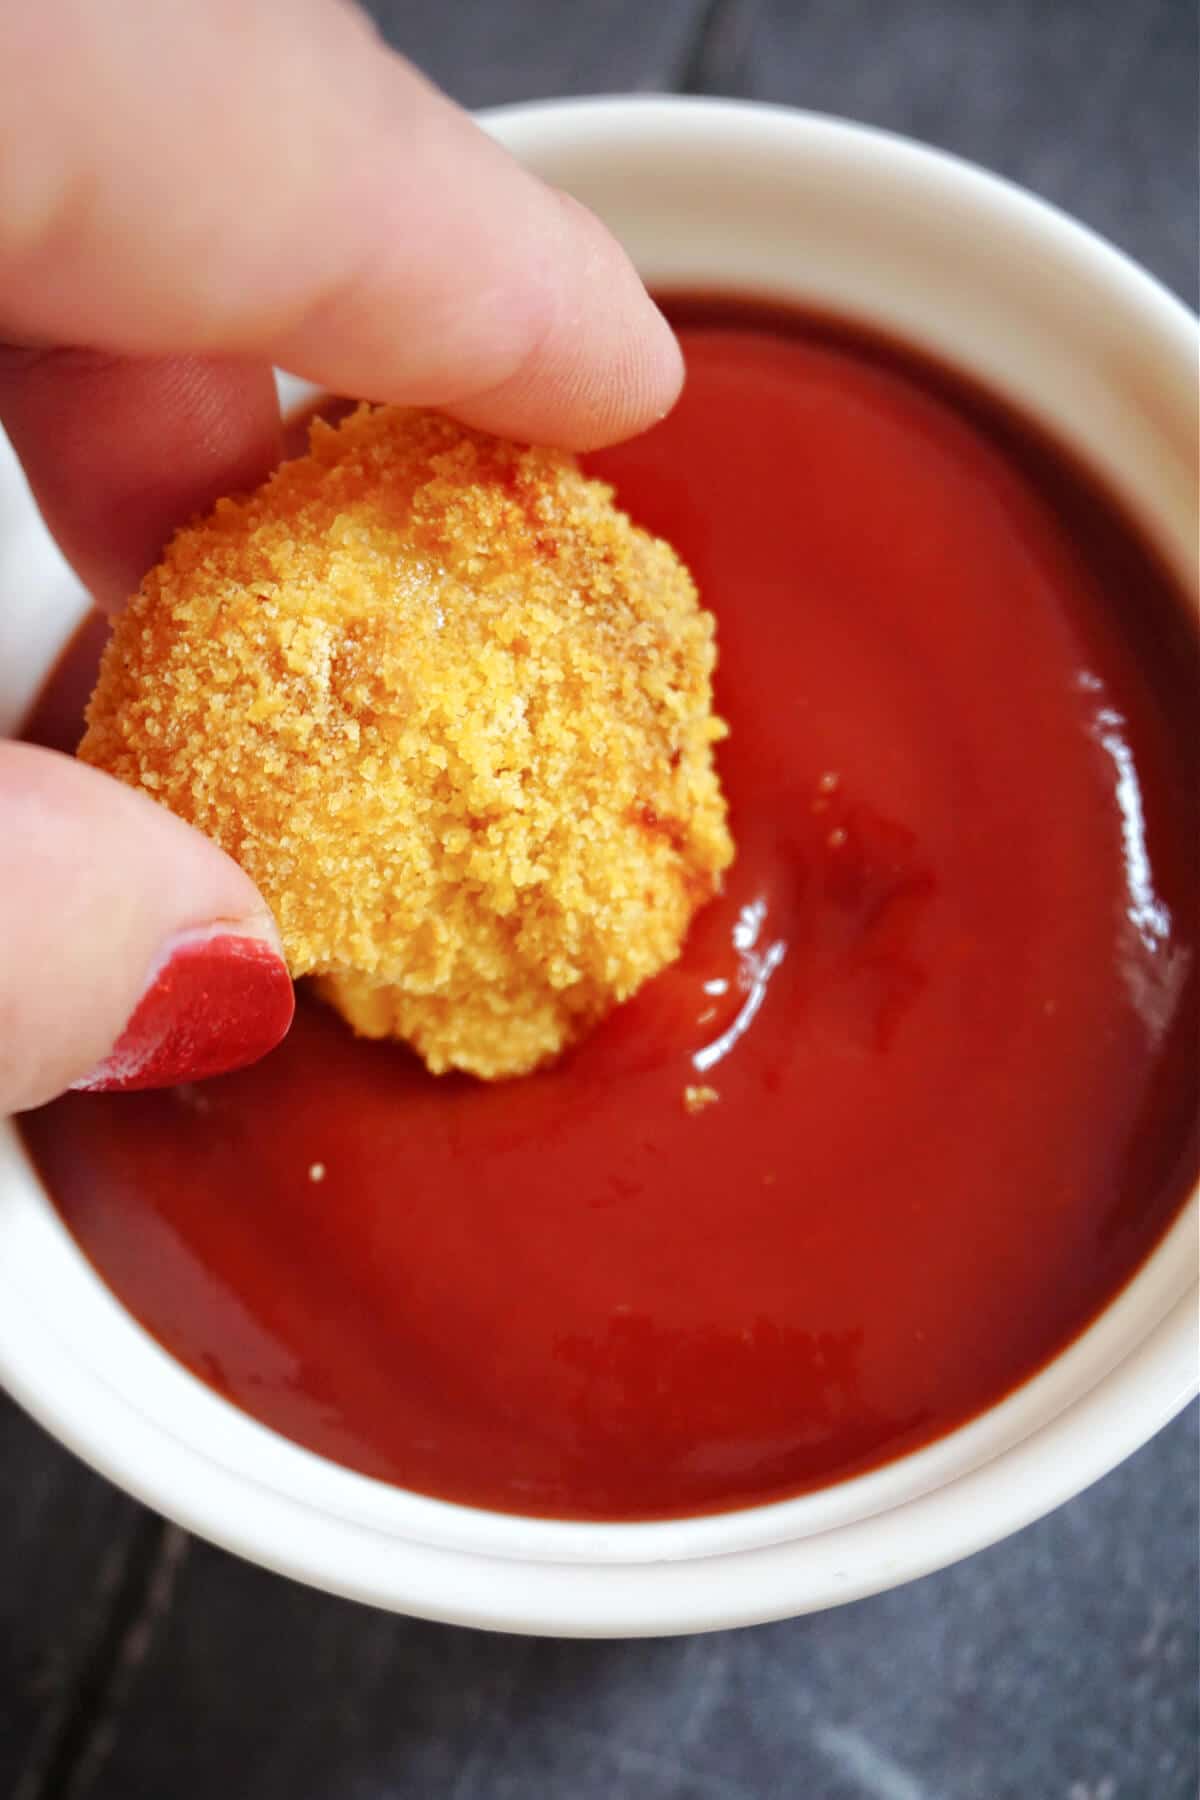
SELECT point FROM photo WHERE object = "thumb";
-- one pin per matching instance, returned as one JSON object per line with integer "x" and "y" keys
{"x": 136, "y": 953}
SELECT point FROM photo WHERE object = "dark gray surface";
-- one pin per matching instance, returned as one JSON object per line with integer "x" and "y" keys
{"x": 137, "y": 1664}
{"x": 1061, "y": 1665}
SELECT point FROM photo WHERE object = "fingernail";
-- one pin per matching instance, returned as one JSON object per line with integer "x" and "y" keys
{"x": 215, "y": 1001}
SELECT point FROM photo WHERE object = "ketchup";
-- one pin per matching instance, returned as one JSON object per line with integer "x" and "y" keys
{"x": 914, "y": 1104}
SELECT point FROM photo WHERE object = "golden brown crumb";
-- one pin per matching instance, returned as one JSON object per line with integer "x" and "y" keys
{"x": 451, "y": 711}
{"x": 695, "y": 1099}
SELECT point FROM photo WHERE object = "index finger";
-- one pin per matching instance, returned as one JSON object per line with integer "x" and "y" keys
{"x": 249, "y": 180}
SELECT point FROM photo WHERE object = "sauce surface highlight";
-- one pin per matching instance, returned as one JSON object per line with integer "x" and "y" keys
{"x": 947, "y": 1005}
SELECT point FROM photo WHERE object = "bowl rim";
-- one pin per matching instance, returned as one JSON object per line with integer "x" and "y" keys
{"x": 285, "y": 1534}
{"x": 672, "y": 1575}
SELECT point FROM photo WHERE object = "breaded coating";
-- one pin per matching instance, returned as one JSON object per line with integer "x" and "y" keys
{"x": 451, "y": 711}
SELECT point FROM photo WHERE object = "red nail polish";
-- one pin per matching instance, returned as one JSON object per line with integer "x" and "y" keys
{"x": 217, "y": 1003}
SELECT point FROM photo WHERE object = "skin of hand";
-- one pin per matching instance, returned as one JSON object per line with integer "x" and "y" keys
{"x": 188, "y": 195}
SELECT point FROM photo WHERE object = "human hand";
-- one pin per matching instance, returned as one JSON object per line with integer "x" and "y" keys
{"x": 189, "y": 194}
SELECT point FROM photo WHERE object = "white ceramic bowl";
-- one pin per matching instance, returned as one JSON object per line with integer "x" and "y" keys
{"x": 720, "y": 196}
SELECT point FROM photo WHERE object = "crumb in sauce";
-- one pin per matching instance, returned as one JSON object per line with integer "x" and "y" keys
{"x": 695, "y": 1099}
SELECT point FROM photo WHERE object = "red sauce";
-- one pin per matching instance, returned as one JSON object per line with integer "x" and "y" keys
{"x": 952, "y": 1053}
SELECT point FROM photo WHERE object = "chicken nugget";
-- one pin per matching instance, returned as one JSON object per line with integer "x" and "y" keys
{"x": 452, "y": 712}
